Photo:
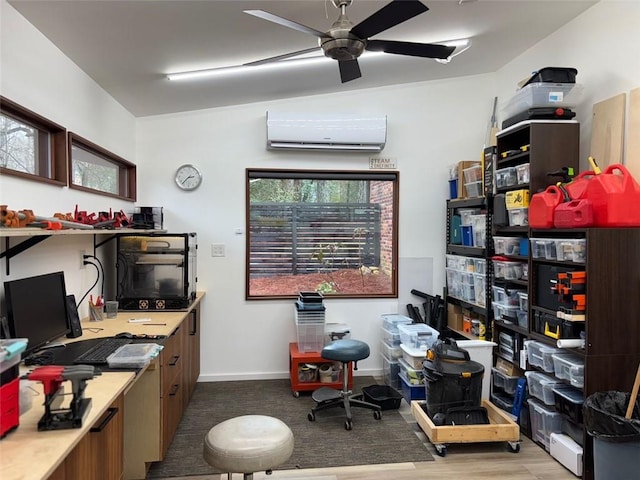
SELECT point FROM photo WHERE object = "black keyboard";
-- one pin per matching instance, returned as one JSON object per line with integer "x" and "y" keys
{"x": 98, "y": 353}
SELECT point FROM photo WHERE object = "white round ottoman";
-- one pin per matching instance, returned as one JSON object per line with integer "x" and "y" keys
{"x": 248, "y": 444}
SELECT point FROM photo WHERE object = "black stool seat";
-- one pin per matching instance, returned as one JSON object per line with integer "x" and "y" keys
{"x": 346, "y": 350}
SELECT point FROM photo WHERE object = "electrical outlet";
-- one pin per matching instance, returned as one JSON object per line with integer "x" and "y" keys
{"x": 82, "y": 254}
{"x": 217, "y": 250}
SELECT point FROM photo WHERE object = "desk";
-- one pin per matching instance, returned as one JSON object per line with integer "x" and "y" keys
{"x": 153, "y": 401}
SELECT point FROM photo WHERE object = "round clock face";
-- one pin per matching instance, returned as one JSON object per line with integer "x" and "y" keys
{"x": 188, "y": 177}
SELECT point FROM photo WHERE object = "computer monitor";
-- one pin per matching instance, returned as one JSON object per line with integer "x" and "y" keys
{"x": 37, "y": 309}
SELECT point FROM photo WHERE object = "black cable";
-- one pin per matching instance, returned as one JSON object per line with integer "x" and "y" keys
{"x": 94, "y": 283}
{"x": 101, "y": 271}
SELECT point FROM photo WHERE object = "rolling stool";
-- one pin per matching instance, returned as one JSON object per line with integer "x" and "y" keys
{"x": 345, "y": 351}
{"x": 248, "y": 444}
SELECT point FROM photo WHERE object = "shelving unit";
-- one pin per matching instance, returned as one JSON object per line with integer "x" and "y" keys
{"x": 298, "y": 358}
{"x": 612, "y": 341}
{"x": 476, "y": 301}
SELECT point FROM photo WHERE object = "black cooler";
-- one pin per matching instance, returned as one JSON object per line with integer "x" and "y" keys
{"x": 451, "y": 379}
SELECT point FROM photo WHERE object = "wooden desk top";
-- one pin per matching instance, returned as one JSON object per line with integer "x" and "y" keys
{"x": 28, "y": 454}
{"x": 25, "y": 453}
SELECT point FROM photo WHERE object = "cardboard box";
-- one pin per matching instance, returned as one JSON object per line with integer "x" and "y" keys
{"x": 508, "y": 368}
{"x": 462, "y": 192}
{"x": 454, "y": 317}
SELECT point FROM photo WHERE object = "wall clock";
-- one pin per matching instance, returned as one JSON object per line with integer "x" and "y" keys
{"x": 188, "y": 177}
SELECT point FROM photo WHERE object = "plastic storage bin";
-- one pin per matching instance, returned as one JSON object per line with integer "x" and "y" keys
{"x": 506, "y": 177}
{"x": 569, "y": 401}
{"x": 501, "y": 296}
{"x": 391, "y": 338}
{"x": 413, "y": 376}
{"x": 541, "y": 355}
{"x": 523, "y": 300}
{"x": 390, "y": 351}
{"x": 506, "y": 312}
{"x": 390, "y": 371}
{"x": 418, "y": 335}
{"x": 390, "y": 321}
{"x": 479, "y": 229}
{"x": 506, "y": 245}
{"x": 544, "y": 248}
{"x": 544, "y": 422}
{"x": 411, "y": 392}
{"x": 522, "y": 173}
{"x": 537, "y": 95}
{"x": 572, "y": 250}
{"x": 465, "y": 215}
{"x": 523, "y": 318}
{"x": 541, "y": 386}
{"x": 133, "y": 355}
{"x": 479, "y": 289}
{"x": 507, "y": 270}
{"x": 474, "y": 189}
{"x": 502, "y": 401}
{"x": 472, "y": 174}
{"x": 507, "y": 383}
{"x": 563, "y": 363}
{"x": 413, "y": 356}
{"x": 385, "y": 396}
{"x": 519, "y": 217}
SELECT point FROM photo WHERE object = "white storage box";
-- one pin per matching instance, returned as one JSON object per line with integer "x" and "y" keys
{"x": 541, "y": 355}
{"x": 507, "y": 270}
{"x": 522, "y": 172}
{"x": 506, "y": 177}
{"x": 571, "y": 249}
{"x": 565, "y": 363}
{"x": 418, "y": 335}
{"x": 413, "y": 376}
{"x": 543, "y": 94}
{"x": 472, "y": 174}
{"x": 465, "y": 215}
{"x": 507, "y": 383}
{"x": 474, "y": 189}
{"x": 519, "y": 217}
{"x": 567, "y": 452}
{"x": 390, "y": 338}
{"x": 390, "y": 351}
{"x": 413, "y": 356}
{"x": 480, "y": 351}
{"x": 479, "y": 229}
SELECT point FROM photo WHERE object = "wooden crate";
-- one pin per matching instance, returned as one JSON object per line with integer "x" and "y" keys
{"x": 500, "y": 429}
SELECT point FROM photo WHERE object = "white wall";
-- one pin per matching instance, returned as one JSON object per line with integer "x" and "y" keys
{"x": 431, "y": 125}
{"x": 602, "y": 44}
{"x": 35, "y": 74}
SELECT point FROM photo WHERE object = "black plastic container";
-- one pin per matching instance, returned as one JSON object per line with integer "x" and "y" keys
{"x": 554, "y": 75}
{"x": 451, "y": 379}
{"x": 383, "y": 395}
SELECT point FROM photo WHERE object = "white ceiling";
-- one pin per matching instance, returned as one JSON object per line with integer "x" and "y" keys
{"x": 127, "y": 47}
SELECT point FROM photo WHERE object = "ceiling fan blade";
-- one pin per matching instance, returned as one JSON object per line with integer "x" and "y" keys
{"x": 427, "y": 50}
{"x": 349, "y": 70}
{"x": 285, "y": 23}
{"x": 284, "y": 56}
{"x": 388, "y": 16}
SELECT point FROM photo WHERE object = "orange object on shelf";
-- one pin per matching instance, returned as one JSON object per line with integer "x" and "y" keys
{"x": 298, "y": 359}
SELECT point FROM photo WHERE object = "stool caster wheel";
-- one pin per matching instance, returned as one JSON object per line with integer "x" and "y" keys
{"x": 311, "y": 417}
{"x": 441, "y": 450}
{"x": 296, "y": 394}
{"x": 348, "y": 425}
{"x": 377, "y": 415}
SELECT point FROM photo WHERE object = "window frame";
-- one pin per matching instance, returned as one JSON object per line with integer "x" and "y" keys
{"x": 126, "y": 170}
{"x": 53, "y": 159}
{"x": 391, "y": 175}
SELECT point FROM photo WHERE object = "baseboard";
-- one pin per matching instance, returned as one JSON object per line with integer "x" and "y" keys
{"x": 232, "y": 377}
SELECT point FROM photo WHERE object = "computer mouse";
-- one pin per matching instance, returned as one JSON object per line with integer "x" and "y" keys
{"x": 124, "y": 335}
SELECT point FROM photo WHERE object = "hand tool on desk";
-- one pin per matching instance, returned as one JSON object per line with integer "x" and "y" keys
{"x": 52, "y": 378}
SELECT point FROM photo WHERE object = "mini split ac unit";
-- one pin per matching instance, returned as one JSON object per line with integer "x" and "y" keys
{"x": 339, "y": 131}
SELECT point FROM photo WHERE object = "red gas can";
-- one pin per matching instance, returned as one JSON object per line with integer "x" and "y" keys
{"x": 542, "y": 206}
{"x": 573, "y": 214}
{"x": 615, "y": 197}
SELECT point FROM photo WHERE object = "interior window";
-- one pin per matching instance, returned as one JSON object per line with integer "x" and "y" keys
{"x": 331, "y": 232}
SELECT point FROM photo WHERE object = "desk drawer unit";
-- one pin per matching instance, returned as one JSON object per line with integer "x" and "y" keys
{"x": 172, "y": 365}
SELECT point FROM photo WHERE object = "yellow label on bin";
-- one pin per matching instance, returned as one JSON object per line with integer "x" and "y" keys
{"x": 517, "y": 199}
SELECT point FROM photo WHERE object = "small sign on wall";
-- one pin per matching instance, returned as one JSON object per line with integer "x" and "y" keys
{"x": 382, "y": 163}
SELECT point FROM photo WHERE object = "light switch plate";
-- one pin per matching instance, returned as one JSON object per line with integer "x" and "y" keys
{"x": 217, "y": 250}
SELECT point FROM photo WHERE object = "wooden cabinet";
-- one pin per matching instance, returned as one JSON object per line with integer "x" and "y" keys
{"x": 99, "y": 455}
{"x": 173, "y": 364}
{"x": 192, "y": 366}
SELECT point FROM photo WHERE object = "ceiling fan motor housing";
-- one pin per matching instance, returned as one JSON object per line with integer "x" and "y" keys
{"x": 340, "y": 43}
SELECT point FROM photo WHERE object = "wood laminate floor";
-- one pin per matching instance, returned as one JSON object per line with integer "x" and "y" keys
{"x": 478, "y": 461}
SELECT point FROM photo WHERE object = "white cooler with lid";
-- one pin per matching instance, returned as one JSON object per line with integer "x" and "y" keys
{"x": 481, "y": 351}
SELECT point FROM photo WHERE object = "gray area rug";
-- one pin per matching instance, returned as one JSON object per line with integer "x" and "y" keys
{"x": 320, "y": 444}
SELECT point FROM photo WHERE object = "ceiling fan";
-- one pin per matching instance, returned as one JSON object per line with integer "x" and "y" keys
{"x": 345, "y": 42}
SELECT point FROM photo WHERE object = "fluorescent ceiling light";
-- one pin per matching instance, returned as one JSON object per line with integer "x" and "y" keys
{"x": 302, "y": 60}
